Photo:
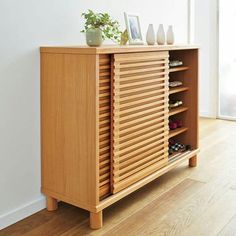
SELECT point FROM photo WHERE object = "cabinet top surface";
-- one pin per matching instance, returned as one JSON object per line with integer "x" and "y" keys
{"x": 107, "y": 49}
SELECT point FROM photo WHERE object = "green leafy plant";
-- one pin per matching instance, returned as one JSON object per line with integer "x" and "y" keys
{"x": 103, "y": 21}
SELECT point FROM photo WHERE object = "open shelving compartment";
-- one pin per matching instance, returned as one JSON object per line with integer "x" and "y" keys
{"x": 188, "y": 94}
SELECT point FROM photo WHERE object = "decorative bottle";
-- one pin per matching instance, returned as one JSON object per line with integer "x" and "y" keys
{"x": 170, "y": 35}
{"x": 161, "y": 39}
{"x": 150, "y": 36}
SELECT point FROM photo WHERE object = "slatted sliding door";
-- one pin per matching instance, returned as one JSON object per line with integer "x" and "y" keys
{"x": 104, "y": 125}
{"x": 139, "y": 116}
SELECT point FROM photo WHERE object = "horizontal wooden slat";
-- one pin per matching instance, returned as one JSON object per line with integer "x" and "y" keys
{"x": 104, "y": 170}
{"x": 131, "y": 71}
{"x": 141, "y": 63}
{"x": 139, "y": 96}
{"x": 104, "y": 182}
{"x": 147, "y": 76}
{"x": 131, "y": 83}
{"x": 134, "y": 57}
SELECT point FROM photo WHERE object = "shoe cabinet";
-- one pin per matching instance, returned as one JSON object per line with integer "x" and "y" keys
{"x": 104, "y": 121}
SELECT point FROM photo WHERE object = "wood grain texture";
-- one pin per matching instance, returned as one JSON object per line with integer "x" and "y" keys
{"x": 52, "y": 204}
{"x": 96, "y": 220}
{"x": 111, "y": 49}
{"x": 199, "y": 201}
{"x": 69, "y": 120}
{"x": 104, "y": 125}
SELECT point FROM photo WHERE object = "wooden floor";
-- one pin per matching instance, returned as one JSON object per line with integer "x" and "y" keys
{"x": 186, "y": 201}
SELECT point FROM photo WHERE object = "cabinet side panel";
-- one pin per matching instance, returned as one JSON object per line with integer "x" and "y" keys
{"x": 69, "y": 128}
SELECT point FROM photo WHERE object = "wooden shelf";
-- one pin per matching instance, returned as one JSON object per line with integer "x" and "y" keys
{"x": 179, "y": 68}
{"x": 177, "y": 110}
{"x": 178, "y": 155}
{"x": 173, "y": 133}
{"x": 177, "y": 89}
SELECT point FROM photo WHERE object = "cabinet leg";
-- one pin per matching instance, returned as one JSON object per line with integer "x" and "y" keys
{"x": 193, "y": 161}
{"x": 51, "y": 204}
{"x": 96, "y": 220}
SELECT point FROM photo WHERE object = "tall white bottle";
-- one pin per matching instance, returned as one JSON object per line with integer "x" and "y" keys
{"x": 150, "y": 36}
{"x": 161, "y": 39}
{"x": 170, "y": 35}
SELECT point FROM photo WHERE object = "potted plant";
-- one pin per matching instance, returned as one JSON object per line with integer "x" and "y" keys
{"x": 99, "y": 26}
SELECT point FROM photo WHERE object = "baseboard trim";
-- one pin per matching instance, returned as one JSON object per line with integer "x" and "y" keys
{"x": 22, "y": 212}
{"x": 207, "y": 115}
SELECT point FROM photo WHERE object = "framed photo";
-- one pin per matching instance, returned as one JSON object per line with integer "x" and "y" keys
{"x": 133, "y": 28}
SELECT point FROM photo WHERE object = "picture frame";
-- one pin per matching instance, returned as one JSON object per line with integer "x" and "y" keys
{"x": 133, "y": 28}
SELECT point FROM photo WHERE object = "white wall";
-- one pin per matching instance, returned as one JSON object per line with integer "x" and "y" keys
{"x": 24, "y": 26}
{"x": 206, "y": 35}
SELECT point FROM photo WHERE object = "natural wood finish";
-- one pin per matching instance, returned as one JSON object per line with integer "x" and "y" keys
{"x": 174, "y": 111}
{"x": 68, "y": 114}
{"x": 178, "y": 89}
{"x": 179, "y": 68}
{"x": 193, "y": 161}
{"x": 104, "y": 119}
{"x": 177, "y": 131}
{"x": 111, "y": 49}
{"x": 96, "y": 220}
{"x": 140, "y": 113}
{"x": 104, "y": 122}
{"x": 189, "y": 97}
{"x": 51, "y": 203}
{"x": 116, "y": 197}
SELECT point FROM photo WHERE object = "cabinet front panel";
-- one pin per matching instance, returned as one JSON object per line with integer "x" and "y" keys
{"x": 139, "y": 116}
{"x": 104, "y": 125}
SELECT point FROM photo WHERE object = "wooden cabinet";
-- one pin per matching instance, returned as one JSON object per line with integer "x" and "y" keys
{"x": 104, "y": 120}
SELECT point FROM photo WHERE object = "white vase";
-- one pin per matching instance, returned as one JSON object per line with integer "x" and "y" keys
{"x": 150, "y": 36}
{"x": 170, "y": 35}
{"x": 161, "y": 39}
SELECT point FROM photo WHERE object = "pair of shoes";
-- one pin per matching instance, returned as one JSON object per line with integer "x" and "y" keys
{"x": 175, "y": 63}
{"x": 174, "y": 84}
{"x": 175, "y": 124}
{"x": 175, "y": 103}
{"x": 175, "y": 147}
